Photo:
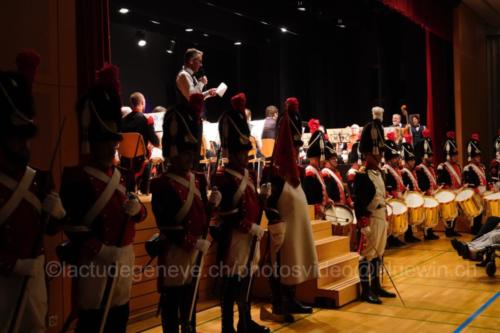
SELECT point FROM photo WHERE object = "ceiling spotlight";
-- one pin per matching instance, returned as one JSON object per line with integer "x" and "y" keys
{"x": 189, "y": 29}
{"x": 283, "y": 30}
{"x": 340, "y": 24}
{"x": 171, "y": 47}
{"x": 301, "y": 6}
{"x": 264, "y": 22}
{"x": 124, "y": 11}
{"x": 205, "y": 35}
{"x": 237, "y": 43}
{"x": 141, "y": 38}
{"x": 154, "y": 22}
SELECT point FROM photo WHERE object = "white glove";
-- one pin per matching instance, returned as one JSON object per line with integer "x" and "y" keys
{"x": 202, "y": 245}
{"x": 277, "y": 232}
{"x": 366, "y": 231}
{"x": 132, "y": 206}
{"x": 26, "y": 267}
{"x": 265, "y": 190}
{"x": 109, "y": 254}
{"x": 215, "y": 197}
{"x": 53, "y": 206}
{"x": 256, "y": 231}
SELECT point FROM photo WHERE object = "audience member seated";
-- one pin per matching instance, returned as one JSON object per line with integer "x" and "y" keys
{"x": 136, "y": 121}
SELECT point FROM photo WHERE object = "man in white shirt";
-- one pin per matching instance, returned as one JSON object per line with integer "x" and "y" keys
{"x": 187, "y": 83}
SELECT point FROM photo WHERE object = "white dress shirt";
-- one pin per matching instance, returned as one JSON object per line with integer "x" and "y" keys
{"x": 188, "y": 84}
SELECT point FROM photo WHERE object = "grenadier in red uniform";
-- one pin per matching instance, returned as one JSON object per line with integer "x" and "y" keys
{"x": 181, "y": 208}
{"x": 238, "y": 215}
{"x": 449, "y": 175}
{"x": 336, "y": 189}
{"x": 426, "y": 175}
{"x": 25, "y": 205}
{"x": 101, "y": 214}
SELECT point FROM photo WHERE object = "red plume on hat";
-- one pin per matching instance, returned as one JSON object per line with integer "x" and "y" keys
{"x": 196, "y": 102}
{"x": 391, "y": 136}
{"x": 475, "y": 136}
{"x": 292, "y": 104}
{"x": 313, "y": 125}
{"x": 27, "y": 62}
{"x": 408, "y": 138}
{"x": 239, "y": 102}
{"x": 284, "y": 153}
{"x": 426, "y": 133}
{"x": 450, "y": 135}
{"x": 108, "y": 77}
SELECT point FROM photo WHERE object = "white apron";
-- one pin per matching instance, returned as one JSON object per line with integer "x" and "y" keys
{"x": 376, "y": 239}
{"x": 35, "y": 311}
{"x": 298, "y": 252}
{"x": 236, "y": 259}
{"x": 178, "y": 266}
{"x": 91, "y": 288}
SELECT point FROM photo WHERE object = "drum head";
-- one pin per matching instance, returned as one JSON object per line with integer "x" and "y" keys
{"x": 444, "y": 196}
{"x": 430, "y": 202}
{"x": 398, "y": 207}
{"x": 464, "y": 194}
{"x": 344, "y": 214}
{"x": 414, "y": 200}
{"x": 389, "y": 209}
{"x": 493, "y": 196}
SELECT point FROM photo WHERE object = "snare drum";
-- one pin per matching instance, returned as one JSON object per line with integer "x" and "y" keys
{"x": 447, "y": 205}
{"x": 415, "y": 203}
{"x": 341, "y": 217}
{"x": 492, "y": 203}
{"x": 398, "y": 221}
{"x": 469, "y": 202}
{"x": 431, "y": 207}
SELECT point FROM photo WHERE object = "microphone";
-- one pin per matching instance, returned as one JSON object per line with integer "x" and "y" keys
{"x": 199, "y": 74}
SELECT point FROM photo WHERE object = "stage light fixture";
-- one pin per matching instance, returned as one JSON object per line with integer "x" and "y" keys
{"x": 264, "y": 22}
{"x": 205, "y": 35}
{"x": 141, "y": 38}
{"x": 340, "y": 24}
{"x": 189, "y": 30}
{"x": 155, "y": 22}
{"x": 124, "y": 10}
{"x": 283, "y": 30}
{"x": 301, "y": 6}
{"x": 171, "y": 47}
{"x": 237, "y": 43}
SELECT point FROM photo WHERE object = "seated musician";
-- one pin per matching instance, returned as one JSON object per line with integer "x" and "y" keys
{"x": 335, "y": 187}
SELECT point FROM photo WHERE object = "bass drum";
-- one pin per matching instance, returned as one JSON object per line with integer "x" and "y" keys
{"x": 342, "y": 218}
{"x": 398, "y": 221}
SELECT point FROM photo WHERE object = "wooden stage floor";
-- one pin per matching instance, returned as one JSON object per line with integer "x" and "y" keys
{"x": 443, "y": 293}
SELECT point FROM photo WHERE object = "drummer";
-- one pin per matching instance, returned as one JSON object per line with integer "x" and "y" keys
{"x": 409, "y": 177}
{"x": 335, "y": 187}
{"x": 448, "y": 175}
{"x": 426, "y": 175}
{"x": 313, "y": 184}
{"x": 394, "y": 186}
{"x": 475, "y": 176}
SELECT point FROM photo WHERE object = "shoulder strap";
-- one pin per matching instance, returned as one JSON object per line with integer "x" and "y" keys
{"x": 453, "y": 172}
{"x": 113, "y": 184}
{"x": 318, "y": 176}
{"x": 244, "y": 182}
{"x": 21, "y": 191}
{"x": 188, "y": 203}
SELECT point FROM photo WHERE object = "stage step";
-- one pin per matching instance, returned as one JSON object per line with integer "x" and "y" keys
{"x": 331, "y": 247}
{"x": 338, "y": 268}
{"x": 321, "y": 229}
{"x": 343, "y": 291}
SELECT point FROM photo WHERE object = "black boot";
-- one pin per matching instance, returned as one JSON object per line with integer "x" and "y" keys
{"x": 461, "y": 248}
{"x": 430, "y": 235}
{"x": 245, "y": 322}
{"x": 170, "y": 303}
{"x": 227, "y": 298}
{"x": 366, "y": 293}
{"x": 292, "y": 304}
{"x": 188, "y": 325}
{"x": 394, "y": 242}
{"x": 278, "y": 300}
{"x": 409, "y": 237}
{"x": 375, "y": 277}
{"x": 476, "y": 225}
{"x": 449, "y": 230}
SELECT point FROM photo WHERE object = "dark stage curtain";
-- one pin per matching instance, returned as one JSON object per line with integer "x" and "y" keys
{"x": 432, "y": 15}
{"x": 93, "y": 41}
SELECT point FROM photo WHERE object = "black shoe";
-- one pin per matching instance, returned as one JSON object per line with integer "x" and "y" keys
{"x": 291, "y": 304}
{"x": 381, "y": 292}
{"x": 370, "y": 297}
{"x": 461, "y": 248}
{"x": 394, "y": 242}
{"x": 411, "y": 239}
{"x": 450, "y": 232}
{"x": 430, "y": 235}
